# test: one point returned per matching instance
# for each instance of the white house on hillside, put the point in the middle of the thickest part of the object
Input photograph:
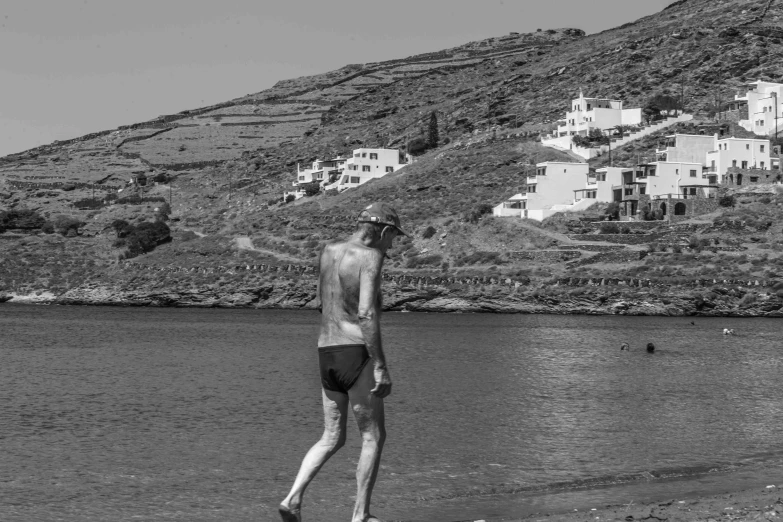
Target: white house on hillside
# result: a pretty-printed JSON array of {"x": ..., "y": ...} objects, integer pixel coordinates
[
  {"x": 549, "y": 191},
  {"x": 367, "y": 164},
  {"x": 320, "y": 171},
  {"x": 765, "y": 107},
  {"x": 344, "y": 173},
  {"x": 745, "y": 153},
  {"x": 686, "y": 147},
  {"x": 601, "y": 185},
  {"x": 603, "y": 114}
]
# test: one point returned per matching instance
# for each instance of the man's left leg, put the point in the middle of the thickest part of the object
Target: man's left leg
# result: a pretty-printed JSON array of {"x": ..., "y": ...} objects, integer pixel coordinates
[
  {"x": 335, "y": 411},
  {"x": 368, "y": 410}
]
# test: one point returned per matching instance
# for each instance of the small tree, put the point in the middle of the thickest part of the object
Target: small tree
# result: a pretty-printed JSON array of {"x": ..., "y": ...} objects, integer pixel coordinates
[
  {"x": 727, "y": 201},
  {"x": 311, "y": 189},
  {"x": 416, "y": 146},
  {"x": 432, "y": 138},
  {"x": 613, "y": 210},
  {"x": 475, "y": 214},
  {"x": 289, "y": 198},
  {"x": 67, "y": 225}
]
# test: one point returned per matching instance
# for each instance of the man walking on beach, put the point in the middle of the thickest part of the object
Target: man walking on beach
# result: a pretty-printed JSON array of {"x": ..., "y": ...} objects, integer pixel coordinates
[{"x": 351, "y": 360}]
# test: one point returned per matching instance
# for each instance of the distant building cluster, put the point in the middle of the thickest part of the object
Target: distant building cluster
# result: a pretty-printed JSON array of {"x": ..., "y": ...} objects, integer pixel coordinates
[
  {"x": 686, "y": 167},
  {"x": 343, "y": 173}
]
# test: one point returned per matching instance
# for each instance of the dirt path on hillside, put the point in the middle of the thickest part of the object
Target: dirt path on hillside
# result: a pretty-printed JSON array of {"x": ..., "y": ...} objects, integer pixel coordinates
[{"x": 245, "y": 243}]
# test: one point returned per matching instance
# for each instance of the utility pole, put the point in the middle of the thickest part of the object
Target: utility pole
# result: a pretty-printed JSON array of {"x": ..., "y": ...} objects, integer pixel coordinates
[
  {"x": 720, "y": 81},
  {"x": 775, "y": 95},
  {"x": 682, "y": 92}
]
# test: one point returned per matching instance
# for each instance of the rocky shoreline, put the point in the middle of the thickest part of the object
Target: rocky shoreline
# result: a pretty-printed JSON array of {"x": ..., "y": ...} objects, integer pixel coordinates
[{"x": 300, "y": 295}]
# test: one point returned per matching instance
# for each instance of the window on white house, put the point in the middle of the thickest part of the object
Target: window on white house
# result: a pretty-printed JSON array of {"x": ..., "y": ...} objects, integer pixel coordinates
[
  {"x": 643, "y": 189},
  {"x": 301, "y": 178},
  {"x": 531, "y": 188},
  {"x": 364, "y": 154},
  {"x": 747, "y": 146},
  {"x": 693, "y": 191},
  {"x": 354, "y": 179},
  {"x": 762, "y": 148},
  {"x": 365, "y": 168},
  {"x": 373, "y": 155},
  {"x": 744, "y": 164},
  {"x": 356, "y": 155},
  {"x": 733, "y": 163},
  {"x": 754, "y": 179},
  {"x": 762, "y": 166},
  {"x": 693, "y": 173},
  {"x": 389, "y": 169}
]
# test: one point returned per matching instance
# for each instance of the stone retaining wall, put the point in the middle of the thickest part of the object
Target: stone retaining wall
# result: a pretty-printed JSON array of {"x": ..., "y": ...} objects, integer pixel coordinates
[
  {"x": 428, "y": 280},
  {"x": 619, "y": 239},
  {"x": 619, "y": 256},
  {"x": 547, "y": 256}
]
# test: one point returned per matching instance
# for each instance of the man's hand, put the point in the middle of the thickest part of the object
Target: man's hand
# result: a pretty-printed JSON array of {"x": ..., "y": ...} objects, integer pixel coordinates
[{"x": 383, "y": 382}]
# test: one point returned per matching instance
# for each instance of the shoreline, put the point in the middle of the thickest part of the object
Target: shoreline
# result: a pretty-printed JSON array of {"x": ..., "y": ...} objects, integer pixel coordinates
[
  {"x": 757, "y": 503},
  {"x": 452, "y": 307}
]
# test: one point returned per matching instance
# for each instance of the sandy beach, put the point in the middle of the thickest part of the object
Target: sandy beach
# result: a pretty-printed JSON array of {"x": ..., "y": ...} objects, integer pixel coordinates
[{"x": 764, "y": 503}]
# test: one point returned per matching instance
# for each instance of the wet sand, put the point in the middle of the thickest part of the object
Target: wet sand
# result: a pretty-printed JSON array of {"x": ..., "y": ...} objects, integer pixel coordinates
[{"x": 765, "y": 503}]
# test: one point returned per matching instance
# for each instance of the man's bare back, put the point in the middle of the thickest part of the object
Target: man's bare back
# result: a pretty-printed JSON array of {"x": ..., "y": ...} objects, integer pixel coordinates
[
  {"x": 343, "y": 266},
  {"x": 351, "y": 359}
]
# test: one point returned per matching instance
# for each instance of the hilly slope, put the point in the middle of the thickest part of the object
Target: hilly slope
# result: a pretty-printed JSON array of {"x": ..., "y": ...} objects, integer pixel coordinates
[{"x": 224, "y": 167}]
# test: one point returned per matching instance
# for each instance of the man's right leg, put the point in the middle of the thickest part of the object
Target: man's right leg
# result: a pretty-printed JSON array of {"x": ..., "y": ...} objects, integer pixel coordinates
[
  {"x": 368, "y": 410},
  {"x": 333, "y": 438}
]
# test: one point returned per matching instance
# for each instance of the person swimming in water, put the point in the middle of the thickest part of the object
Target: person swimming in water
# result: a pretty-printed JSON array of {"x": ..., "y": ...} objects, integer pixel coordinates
[
  {"x": 650, "y": 348},
  {"x": 625, "y": 347}
]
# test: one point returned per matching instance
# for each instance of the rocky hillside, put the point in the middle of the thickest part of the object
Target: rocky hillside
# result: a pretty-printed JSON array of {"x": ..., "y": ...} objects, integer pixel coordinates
[{"x": 223, "y": 168}]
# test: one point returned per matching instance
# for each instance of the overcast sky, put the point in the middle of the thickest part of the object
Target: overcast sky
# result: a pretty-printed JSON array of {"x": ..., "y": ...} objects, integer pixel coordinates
[{"x": 71, "y": 67}]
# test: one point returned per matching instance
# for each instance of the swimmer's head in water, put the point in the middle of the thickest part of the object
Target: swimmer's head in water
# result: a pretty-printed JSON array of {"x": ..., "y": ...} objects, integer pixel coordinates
[{"x": 650, "y": 347}]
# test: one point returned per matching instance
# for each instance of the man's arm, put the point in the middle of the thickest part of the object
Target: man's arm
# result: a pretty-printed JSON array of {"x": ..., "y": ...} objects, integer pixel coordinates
[{"x": 369, "y": 314}]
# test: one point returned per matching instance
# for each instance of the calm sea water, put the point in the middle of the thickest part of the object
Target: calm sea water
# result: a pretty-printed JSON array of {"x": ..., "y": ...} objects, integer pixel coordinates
[{"x": 177, "y": 414}]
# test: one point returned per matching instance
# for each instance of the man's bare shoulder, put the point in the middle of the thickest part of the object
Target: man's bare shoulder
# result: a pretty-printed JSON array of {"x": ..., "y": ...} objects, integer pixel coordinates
[{"x": 351, "y": 250}]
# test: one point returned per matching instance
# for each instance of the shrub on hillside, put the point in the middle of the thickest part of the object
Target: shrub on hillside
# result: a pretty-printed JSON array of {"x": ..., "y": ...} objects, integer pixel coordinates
[
  {"x": 121, "y": 228},
  {"x": 143, "y": 238},
  {"x": 612, "y": 210},
  {"x": 477, "y": 212},
  {"x": 311, "y": 189},
  {"x": 416, "y": 146},
  {"x": 67, "y": 225},
  {"x": 609, "y": 228},
  {"x": 21, "y": 218},
  {"x": 289, "y": 198},
  {"x": 727, "y": 201},
  {"x": 429, "y": 232}
]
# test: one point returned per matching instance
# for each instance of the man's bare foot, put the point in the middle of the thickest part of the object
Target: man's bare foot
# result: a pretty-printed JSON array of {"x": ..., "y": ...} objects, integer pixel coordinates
[{"x": 290, "y": 514}]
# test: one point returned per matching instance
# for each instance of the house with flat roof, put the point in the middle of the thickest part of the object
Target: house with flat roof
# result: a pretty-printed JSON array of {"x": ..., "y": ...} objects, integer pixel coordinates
[
  {"x": 600, "y": 185},
  {"x": 367, "y": 164},
  {"x": 344, "y": 173},
  {"x": 745, "y": 153},
  {"x": 764, "y": 101},
  {"x": 685, "y": 147},
  {"x": 549, "y": 190},
  {"x": 603, "y": 114}
]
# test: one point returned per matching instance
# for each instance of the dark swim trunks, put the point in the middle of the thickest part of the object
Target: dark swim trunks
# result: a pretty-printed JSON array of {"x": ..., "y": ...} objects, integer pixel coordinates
[{"x": 341, "y": 365}]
